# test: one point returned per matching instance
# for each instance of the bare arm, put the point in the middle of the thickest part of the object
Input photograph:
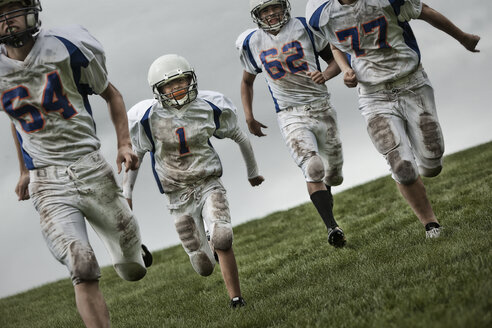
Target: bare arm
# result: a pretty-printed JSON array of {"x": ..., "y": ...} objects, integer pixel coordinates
[
  {"x": 117, "y": 111},
  {"x": 439, "y": 21},
  {"x": 21, "y": 189},
  {"x": 247, "y": 99},
  {"x": 331, "y": 71},
  {"x": 349, "y": 77}
]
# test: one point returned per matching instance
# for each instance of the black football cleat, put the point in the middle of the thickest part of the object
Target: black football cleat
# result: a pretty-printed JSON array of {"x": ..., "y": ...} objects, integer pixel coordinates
[
  {"x": 237, "y": 302},
  {"x": 336, "y": 237},
  {"x": 147, "y": 256}
]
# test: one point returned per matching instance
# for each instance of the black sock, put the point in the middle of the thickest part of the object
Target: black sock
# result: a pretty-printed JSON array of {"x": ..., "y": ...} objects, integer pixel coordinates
[
  {"x": 323, "y": 201},
  {"x": 328, "y": 188},
  {"x": 431, "y": 225}
]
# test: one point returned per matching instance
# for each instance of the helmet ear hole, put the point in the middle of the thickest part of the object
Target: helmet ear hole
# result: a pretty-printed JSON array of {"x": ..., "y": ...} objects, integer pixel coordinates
[{"x": 30, "y": 20}]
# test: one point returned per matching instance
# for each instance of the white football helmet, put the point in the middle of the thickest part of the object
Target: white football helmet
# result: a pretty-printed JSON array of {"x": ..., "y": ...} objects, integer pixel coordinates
[
  {"x": 30, "y": 11},
  {"x": 166, "y": 69},
  {"x": 257, "y": 5}
]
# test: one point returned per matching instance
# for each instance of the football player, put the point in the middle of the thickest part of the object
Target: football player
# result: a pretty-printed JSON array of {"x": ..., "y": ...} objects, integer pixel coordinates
[
  {"x": 176, "y": 128},
  {"x": 46, "y": 78},
  {"x": 395, "y": 95},
  {"x": 287, "y": 52}
]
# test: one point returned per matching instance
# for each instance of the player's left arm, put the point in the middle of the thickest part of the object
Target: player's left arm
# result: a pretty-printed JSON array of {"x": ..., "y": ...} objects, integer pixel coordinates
[
  {"x": 439, "y": 21},
  {"x": 117, "y": 111},
  {"x": 21, "y": 189}
]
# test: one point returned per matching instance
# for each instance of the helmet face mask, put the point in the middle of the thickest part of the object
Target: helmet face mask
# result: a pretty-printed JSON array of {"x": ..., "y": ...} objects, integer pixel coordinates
[
  {"x": 256, "y": 6},
  {"x": 30, "y": 12},
  {"x": 174, "y": 70}
]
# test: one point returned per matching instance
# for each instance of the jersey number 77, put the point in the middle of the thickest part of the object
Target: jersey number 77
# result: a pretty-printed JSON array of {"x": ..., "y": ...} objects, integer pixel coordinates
[{"x": 367, "y": 29}]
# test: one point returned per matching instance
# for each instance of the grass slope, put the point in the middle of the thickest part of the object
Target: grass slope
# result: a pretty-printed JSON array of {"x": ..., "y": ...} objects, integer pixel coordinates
[{"x": 388, "y": 275}]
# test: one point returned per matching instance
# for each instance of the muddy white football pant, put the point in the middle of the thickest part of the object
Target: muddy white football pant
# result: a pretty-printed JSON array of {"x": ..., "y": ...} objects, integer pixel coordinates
[
  {"x": 403, "y": 125},
  {"x": 202, "y": 203},
  {"x": 63, "y": 196},
  {"x": 311, "y": 134}
]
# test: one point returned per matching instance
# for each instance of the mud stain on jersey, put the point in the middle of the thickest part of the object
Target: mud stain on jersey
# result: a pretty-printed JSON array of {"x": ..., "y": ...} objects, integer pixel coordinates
[
  {"x": 431, "y": 134},
  {"x": 163, "y": 130}
]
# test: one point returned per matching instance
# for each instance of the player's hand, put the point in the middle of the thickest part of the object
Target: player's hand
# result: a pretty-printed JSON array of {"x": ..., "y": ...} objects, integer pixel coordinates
[
  {"x": 128, "y": 157},
  {"x": 255, "y": 127},
  {"x": 317, "y": 77},
  {"x": 256, "y": 181},
  {"x": 349, "y": 78},
  {"x": 22, "y": 189},
  {"x": 470, "y": 41},
  {"x": 130, "y": 203}
]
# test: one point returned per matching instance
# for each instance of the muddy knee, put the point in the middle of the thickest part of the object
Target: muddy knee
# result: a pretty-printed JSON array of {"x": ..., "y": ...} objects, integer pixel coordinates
[
  {"x": 404, "y": 171},
  {"x": 222, "y": 236},
  {"x": 430, "y": 172},
  {"x": 333, "y": 177},
  {"x": 83, "y": 263},
  {"x": 315, "y": 169},
  {"x": 201, "y": 256}
]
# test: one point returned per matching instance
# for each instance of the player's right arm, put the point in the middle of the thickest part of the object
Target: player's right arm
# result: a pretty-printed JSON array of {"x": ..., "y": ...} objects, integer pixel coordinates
[
  {"x": 247, "y": 99},
  {"x": 349, "y": 77},
  {"x": 21, "y": 189}
]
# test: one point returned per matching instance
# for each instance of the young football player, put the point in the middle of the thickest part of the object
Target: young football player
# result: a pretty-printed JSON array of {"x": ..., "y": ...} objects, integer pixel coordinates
[
  {"x": 287, "y": 51},
  {"x": 176, "y": 129},
  {"x": 395, "y": 95},
  {"x": 46, "y": 77}
]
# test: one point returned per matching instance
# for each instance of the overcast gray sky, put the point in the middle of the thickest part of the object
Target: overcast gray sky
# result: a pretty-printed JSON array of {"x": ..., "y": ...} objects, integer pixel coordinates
[{"x": 134, "y": 33}]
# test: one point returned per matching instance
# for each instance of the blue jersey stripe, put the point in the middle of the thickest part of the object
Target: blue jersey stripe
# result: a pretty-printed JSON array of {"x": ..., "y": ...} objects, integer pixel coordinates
[
  {"x": 314, "y": 20},
  {"x": 277, "y": 107},
  {"x": 408, "y": 35},
  {"x": 396, "y": 4},
  {"x": 78, "y": 60},
  {"x": 250, "y": 54},
  {"x": 27, "y": 159},
  {"x": 217, "y": 113},
  {"x": 146, "y": 125},
  {"x": 311, "y": 37}
]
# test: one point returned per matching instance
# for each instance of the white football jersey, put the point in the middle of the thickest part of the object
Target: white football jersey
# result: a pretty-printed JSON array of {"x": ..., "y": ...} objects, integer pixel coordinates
[
  {"x": 285, "y": 58},
  {"x": 381, "y": 47},
  {"x": 179, "y": 139},
  {"x": 46, "y": 95}
]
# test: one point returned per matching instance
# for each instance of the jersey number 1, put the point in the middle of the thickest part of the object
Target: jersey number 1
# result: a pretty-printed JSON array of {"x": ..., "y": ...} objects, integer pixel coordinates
[
  {"x": 32, "y": 118},
  {"x": 183, "y": 148}
]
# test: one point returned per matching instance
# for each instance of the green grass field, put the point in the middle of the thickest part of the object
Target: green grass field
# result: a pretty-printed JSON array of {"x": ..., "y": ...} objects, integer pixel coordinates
[{"x": 388, "y": 275}]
